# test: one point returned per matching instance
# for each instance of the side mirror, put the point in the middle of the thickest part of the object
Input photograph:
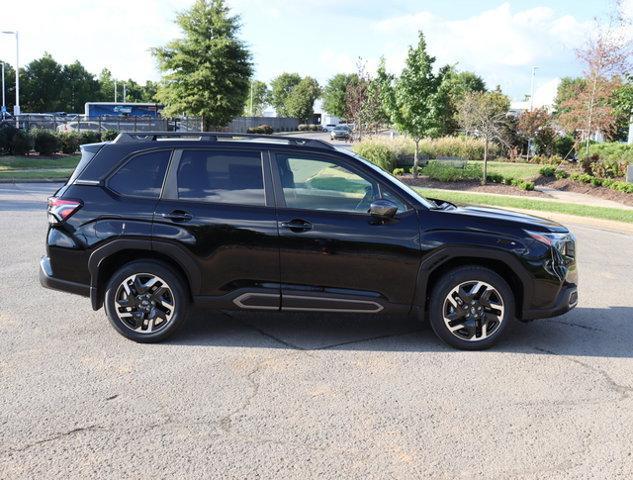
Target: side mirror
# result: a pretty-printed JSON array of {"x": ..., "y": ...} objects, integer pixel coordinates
[{"x": 383, "y": 209}]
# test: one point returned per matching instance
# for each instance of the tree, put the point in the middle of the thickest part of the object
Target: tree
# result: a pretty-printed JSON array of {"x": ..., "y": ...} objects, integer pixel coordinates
[
  {"x": 300, "y": 101},
  {"x": 606, "y": 56},
  {"x": 106, "y": 86},
  {"x": 280, "y": 88},
  {"x": 208, "y": 71},
  {"x": 484, "y": 114},
  {"x": 453, "y": 85},
  {"x": 257, "y": 100},
  {"x": 409, "y": 99},
  {"x": 9, "y": 86},
  {"x": 79, "y": 86},
  {"x": 41, "y": 82},
  {"x": 335, "y": 92}
]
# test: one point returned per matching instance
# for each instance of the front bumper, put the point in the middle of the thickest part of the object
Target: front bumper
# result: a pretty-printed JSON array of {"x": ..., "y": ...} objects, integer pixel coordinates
[
  {"x": 566, "y": 300},
  {"x": 49, "y": 281}
]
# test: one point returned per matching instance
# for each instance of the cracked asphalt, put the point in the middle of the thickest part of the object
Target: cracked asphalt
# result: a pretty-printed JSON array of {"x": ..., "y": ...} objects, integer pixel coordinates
[{"x": 307, "y": 396}]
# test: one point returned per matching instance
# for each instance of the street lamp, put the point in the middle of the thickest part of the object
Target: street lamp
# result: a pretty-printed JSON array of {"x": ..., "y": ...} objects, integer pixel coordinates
[
  {"x": 16, "y": 108},
  {"x": 532, "y": 88}
]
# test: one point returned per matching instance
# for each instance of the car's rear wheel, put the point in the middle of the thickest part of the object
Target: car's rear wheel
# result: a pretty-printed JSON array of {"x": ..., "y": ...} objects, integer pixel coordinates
[
  {"x": 146, "y": 301},
  {"x": 471, "y": 308}
]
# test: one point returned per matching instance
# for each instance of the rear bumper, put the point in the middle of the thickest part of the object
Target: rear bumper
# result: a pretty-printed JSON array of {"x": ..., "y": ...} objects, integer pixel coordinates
[
  {"x": 49, "y": 281},
  {"x": 566, "y": 300}
]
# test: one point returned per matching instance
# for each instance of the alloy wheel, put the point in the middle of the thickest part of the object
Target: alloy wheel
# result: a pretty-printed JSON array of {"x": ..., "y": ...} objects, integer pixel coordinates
[
  {"x": 473, "y": 310},
  {"x": 144, "y": 303}
]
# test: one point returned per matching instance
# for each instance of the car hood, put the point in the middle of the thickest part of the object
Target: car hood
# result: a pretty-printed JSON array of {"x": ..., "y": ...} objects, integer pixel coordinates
[{"x": 499, "y": 214}]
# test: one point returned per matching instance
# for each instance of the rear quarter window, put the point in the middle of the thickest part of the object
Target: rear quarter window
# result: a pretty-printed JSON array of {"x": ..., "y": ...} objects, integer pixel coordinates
[{"x": 142, "y": 175}]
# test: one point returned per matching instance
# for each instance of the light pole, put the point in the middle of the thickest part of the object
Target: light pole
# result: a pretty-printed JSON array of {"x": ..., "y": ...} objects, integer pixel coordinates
[
  {"x": 3, "y": 99},
  {"x": 532, "y": 88},
  {"x": 16, "y": 107}
]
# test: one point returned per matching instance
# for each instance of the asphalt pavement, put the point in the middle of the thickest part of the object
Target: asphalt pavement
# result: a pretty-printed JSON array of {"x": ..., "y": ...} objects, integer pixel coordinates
[{"x": 263, "y": 395}]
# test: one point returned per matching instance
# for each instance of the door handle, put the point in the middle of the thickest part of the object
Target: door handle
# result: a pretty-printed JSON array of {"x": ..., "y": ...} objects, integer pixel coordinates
[
  {"x": 177, "y": 216},
  {"x": 297, "y": 225}
]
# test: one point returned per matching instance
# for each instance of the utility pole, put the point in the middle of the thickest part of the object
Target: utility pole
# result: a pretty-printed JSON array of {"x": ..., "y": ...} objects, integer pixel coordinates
[
  {"x": 124, "y": 92},
  {"x": 531, "y": 106}
]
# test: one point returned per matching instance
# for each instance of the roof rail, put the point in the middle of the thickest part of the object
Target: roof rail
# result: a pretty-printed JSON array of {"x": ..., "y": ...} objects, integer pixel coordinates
[{"x": 130, "y": 137}]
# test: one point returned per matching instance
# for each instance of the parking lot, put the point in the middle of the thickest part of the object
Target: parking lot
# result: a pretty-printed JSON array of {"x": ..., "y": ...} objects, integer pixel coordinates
[{"x": 261, "y": 395}]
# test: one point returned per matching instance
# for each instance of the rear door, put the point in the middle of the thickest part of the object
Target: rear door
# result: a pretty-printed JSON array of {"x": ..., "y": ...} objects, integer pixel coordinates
[
  {"x": 217, "y": 206},
  {"x": 335, "y": 256}
]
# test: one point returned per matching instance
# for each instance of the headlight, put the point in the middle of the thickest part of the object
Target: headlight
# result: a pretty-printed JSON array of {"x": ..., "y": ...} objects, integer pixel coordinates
[{"x": 564, "y": 243}]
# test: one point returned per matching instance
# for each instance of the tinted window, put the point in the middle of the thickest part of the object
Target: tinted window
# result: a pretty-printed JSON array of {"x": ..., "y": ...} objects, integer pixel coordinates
[
  {"x": 142, "y": 176},
  {"x": 221, "y": 177}
]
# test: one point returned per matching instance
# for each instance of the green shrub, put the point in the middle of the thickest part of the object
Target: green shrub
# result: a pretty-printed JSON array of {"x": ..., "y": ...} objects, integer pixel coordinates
[
  {"x": 495, "y": 178},
  {"x": 563, "y": 146},
  {"x": 7, "y": 131},
  {"x": 46, "y": 142},
  {"x": 596, "y": 182},
  {"x": 377, "y": 154},
  {"x": 21, "y": 143},
  {"x": 587, "y": 162},
  {"x": 508, "y": 181},
  {"x": 398, "y": 171},
  {"x": 261, "y": 130},
  {"x": 413, "y": 170},
  {"x": 309, "y": 127},
  {"x": 559, "y": 174},
  {"x": 612, "y": 151},
  {"x": 548, "y": 171},
  {"x": 69, "y": 142},
  {"x": 109, "y": 135},
  {"x": 90, "y": 137},
  {"x": 527, "y": 185},
  {"x": 446, "y": 173}
]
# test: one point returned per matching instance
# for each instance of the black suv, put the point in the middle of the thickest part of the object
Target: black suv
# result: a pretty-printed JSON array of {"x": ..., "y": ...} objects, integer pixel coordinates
[{"x": 150, "y": 223}]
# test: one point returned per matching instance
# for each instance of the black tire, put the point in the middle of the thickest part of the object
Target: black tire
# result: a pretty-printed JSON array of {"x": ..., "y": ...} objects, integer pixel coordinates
[
  {"x": 452, "y": 280},
  {"x": 176, "y": 292}
]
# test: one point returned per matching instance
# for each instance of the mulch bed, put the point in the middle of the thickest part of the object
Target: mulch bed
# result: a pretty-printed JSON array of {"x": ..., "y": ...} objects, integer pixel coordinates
[
  {"x": 567, "y": 185},
  {"x": 475, "y": 187}
]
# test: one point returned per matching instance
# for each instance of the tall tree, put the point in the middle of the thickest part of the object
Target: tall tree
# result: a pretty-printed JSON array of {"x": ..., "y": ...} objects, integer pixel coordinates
[
  {"x": 300, "y": 101},
  {"x": 335, "y": 92},
  {"x": 410, "y": 99},
  {"x": 484, "y": 114},
  {"x": 207, "y": 72},
  {"x": 79, "y": 86},
  {"x": 280, "y": 88},
  {"x": 9, "y": 86},
  {"x": 452, "y": 88},
  {"x": 257, "y": 100},
  {"x": 42, "y": 81}
]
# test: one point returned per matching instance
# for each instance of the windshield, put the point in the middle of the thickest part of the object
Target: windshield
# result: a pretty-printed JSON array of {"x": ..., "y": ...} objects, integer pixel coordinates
[{"x": 391, "y": 179}]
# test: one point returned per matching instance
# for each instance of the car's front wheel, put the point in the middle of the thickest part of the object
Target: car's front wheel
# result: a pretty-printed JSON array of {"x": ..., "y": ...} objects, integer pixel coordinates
[
  {"x": 471, "y": 308},
  {"x": 146, "y": 301}
]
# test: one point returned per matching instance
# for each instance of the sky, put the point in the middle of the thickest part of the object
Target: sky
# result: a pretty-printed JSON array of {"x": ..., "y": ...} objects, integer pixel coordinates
[{"x": 499, "y": 40}]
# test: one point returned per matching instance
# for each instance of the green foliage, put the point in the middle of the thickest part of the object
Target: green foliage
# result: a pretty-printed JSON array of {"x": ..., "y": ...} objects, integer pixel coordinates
[
  {"x": 560, "y": 174},
  {"x": 280, "y": 88},
  {"x": 564, "y": 146},
  {"x": 445, "y": 173},
  {"x": 300, "y": 101},
  {"x": 378, "y": 154},
  {"x": 208, "y": 71},
  {"x": 451, "y": 90},
  {"x": 46, "y": 142},
  {"x": 257, "y": 99},
  {"x": 70, "y": 142},
  {"x": 309, "y": 127},
  {"x": 109, "y": 135},
  {"x": 7, "y": 132},
  {"x": 21, "y": 143},
  {"x": 335, "y": 92},
  {"x": 616, "y": 185},
  {"x": 89, "y": 137},
  {"x": 548, "y": 171},
  {"x": 620, "y": 152},
  {"x": 261, "y": 130},
  {"x": 398, "y": 171}
]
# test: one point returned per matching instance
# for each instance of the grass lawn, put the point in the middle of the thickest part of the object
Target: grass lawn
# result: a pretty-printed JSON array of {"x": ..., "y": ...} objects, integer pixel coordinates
[
  {"x": 33, "y": 168},
  {"x": 523, "y": 171},
  {"x": 528, "y": 203}
]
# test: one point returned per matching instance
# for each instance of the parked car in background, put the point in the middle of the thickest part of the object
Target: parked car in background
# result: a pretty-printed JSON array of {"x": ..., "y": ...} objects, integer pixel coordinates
[
  {"x": 269, "y": 223},
  {"x": 81, "y": 127},
  {"x": 341, "y": 132},
  {"x": 329, "y": 127}
]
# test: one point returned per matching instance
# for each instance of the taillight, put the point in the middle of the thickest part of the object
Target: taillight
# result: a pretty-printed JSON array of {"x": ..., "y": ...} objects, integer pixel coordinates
[{"x": 60, "y": 209}]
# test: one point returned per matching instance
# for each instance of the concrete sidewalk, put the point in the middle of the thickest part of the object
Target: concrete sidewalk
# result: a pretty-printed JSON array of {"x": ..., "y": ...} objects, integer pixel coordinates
[{"x": 580, "y": 198}]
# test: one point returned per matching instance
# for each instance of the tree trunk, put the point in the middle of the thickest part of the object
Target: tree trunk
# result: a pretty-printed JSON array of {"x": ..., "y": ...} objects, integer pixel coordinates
[
  {"x": 483, "y": 180},
  {"x": 416, "y": 161}
]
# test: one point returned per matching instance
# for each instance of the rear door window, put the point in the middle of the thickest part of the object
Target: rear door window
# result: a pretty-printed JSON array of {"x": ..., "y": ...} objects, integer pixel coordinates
[
  {"x": 234, "y": 177},
  {"x": 142, "y": 176}
]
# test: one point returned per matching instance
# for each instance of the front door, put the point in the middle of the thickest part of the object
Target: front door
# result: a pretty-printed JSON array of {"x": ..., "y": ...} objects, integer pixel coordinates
[
  {"x": 216, "y": 208},
  {"x": 334, "y": 256}
]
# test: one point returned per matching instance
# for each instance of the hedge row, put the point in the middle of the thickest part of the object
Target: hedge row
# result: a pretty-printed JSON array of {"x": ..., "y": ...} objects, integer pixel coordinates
[
  {"x": 603, "y": 182},
  {"x": 470, "y": 172},
  {"x": 612, "y": 152},
  {"x": 305, "y": 127},
  {"x": 261, "y": 130},
  {"x": 400, "y": 150},
  {"x": 46, "y": 142}
]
